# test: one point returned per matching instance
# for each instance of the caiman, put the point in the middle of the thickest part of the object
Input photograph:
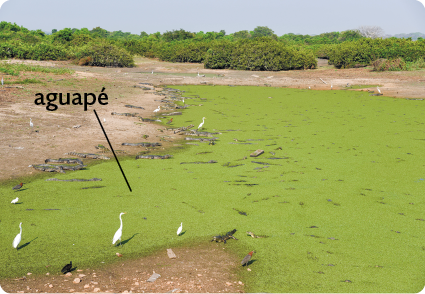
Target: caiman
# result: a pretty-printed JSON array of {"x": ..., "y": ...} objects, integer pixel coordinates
[{"x": 224, "y": 238}]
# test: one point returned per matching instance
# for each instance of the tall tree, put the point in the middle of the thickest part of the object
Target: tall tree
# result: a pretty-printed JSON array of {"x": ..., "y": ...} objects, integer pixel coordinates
[
  {"x": 371, "y": 31},
  {"x": 260, "y": 31}
]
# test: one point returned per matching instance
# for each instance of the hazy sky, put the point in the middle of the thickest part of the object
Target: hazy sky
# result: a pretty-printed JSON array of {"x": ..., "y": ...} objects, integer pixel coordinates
[{"x": 282, "y": 16}]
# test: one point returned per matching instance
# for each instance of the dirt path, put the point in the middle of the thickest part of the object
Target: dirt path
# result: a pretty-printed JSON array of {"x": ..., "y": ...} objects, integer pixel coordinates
[{"x": 200, "y": 269}]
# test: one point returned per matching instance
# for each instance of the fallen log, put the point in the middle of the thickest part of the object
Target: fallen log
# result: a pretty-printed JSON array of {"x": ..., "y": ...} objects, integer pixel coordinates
[{"x": 256, "y": 153}]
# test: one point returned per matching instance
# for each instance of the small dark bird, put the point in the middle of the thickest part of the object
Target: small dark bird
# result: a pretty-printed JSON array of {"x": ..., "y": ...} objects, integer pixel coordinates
[
  {"x": 67, "y": 268},
  {"x": 170, "y": 121},
  {"x": 247, "y": 258},
  {"x": 17, "y": 187}
]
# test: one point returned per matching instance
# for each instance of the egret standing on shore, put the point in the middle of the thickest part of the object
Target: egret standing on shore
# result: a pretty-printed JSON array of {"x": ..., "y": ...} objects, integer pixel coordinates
[
  {"x": 118, "y": 234},
  {"x": 18, "y": 238},
  {"x": 31, "y": 124},
  {"x": 158, "y": 109},
  {"x": 202, "y": 123},
  {"x": 179, "y": 230},
  {"x": 15, "y": 200},
  {"x": 378, "y": 90}
]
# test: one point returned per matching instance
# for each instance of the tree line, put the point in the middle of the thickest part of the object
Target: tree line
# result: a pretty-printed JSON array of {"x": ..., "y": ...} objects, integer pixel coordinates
[{"x": 259, "y": 49}]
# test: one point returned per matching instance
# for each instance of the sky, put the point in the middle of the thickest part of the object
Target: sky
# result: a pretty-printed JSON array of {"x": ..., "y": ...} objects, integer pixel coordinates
[{"x": 282, "y": 16}]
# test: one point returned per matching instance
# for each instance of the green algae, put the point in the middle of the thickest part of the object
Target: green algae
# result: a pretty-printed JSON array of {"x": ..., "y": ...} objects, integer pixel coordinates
[{"x": 339, "y": 190}]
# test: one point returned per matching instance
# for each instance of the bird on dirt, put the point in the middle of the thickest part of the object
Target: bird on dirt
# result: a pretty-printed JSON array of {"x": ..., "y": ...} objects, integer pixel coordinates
[
  {"x": 18, "y": 238},
  {"x": 378, "y": 90},
  {"x": 118, "y": 233},
  {"x": 202, "y": 123},
  {"x": 17, "y": 187},
  {"x": 170, "y": 121},
  {"x": 67, "y": 268},
  {"x": 179, "y": 230},
  {"x": 15, "y": 200},
  {"x": 31, "y": 124},
  {"x": 247, "y": 258},
  {"x": 158, "y": 109}
]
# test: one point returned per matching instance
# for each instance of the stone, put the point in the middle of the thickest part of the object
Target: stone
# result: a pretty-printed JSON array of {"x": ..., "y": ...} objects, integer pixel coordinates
[
  {"x": 96, "y": 290},
  {"x": 76, "y": 280},
  {"x": 256, "y": 153},
  {"x": 86, "y": 286},
  {"x": 50, "y": 286},
  {"x": 68, "y": 274},
  {"x": 171, "y": 254}
]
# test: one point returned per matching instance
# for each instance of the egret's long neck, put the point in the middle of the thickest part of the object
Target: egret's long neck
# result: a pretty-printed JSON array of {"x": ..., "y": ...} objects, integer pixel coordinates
[
  {"x": 203, "y": 119},
  {"x": 20, "y": 227},
  {"x": 121, "y": 222}
]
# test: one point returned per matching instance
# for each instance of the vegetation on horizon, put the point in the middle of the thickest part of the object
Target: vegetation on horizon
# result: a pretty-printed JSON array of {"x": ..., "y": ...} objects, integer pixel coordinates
[{"x": 260, "y": 49}]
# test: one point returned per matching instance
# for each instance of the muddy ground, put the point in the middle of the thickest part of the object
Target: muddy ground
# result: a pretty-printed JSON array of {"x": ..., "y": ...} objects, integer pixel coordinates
[{"x": 205, "y": 268}]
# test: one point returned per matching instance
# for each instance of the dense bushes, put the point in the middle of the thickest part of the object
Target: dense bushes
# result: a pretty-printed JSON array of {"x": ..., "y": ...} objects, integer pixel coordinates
[
  {"x": 257, "y": 54},
  {"x": 42, "y": 51},
  {"x": 365, "y": 51},
  {"x": 105, "y": 54},
  {"x": 260, "y": 49}
]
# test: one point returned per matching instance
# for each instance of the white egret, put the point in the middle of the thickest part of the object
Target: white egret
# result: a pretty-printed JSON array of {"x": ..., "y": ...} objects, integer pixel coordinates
[
  {"x": 18, "y": 238},
  {"x": 378, "y": 90},
  {"x": 202, "y": 123},
  {"x": 152, "y": 71},
  {"x": 15, "y": 200},
  {"x": 118, "y": 234},
  {"x": 31, "y": 124},
  {"x": 179, "y": 230},
  {"x": 158, "y": 109}
]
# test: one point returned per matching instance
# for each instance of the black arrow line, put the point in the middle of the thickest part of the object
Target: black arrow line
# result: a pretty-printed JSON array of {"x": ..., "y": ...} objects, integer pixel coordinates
[{"x": 112, "y": 149}]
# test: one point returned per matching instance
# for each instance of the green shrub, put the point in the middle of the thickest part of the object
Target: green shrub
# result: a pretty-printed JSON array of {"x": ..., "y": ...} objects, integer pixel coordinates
[
  {"x": 258, "y": 54},
  {"x": 365, "y": 51},
  {"x": 383, "y": 64},
  {"x": 106, "y": 54}
]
